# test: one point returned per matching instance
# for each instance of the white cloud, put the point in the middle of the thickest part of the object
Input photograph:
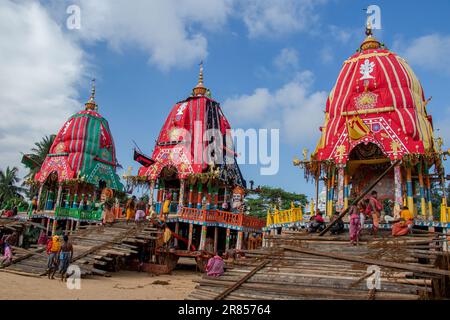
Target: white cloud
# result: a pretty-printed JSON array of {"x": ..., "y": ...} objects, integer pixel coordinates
[
  {"x": 171, "y": 32},
  {"x": 40, "y": 68},
  {"x": 286, "y": 59},
  {"x": 431, "y": 52},
  {"x": 278, "y": 17},
  {"x": 293, "y": 108}
]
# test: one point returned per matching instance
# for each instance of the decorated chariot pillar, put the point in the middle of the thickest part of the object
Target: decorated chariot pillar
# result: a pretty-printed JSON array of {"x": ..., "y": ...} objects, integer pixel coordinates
[
  {"x": 216, "y": 239},
  {"x": 55, "y": 224},
  {"x": 203, "y": 237},
  {"x": 159, "y": 198},
  {"x": 181, "y": 195},
  {"x": 58, "y": 197},
  {"x": 151, "y": 195},
  {"x": 346, "y": 190},
  {"x": 48, "y": 226},
  {"x": 430, "y": 204},
  {"x": 409, "y": 190},
  {"x": 191, "y": 195},
  {"x": 423, "y": 210},
  {"x": 67, "y": 204},
  {"x": 216, "y": 197},
  {"x": 331, "y": 180},
  {"x": 191, "y": 231},
  {"x": 38, "y": 202},
  {"x": 239, "y": 240},
  {"x": 50, "y": 200},
  {"x": 209, "y": 196},
  {"x": 340, "y": 189},
  {"x": 75, "y": 201},
  {"x": 177, "y": 230},
  {"x": 398, "y": 201},
  {"x": 227, "y": 239},
  {"x": 199, "y": 195}
]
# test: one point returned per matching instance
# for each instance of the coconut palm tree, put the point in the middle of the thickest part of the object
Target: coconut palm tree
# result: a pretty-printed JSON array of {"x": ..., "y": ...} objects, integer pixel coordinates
[
  {"x": 36, "y": 158},
  {"x": 8, "y": 184}
]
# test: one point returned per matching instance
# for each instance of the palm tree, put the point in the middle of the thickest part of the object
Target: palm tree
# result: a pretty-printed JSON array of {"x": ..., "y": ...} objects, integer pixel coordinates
[
  {"x": 38, "y": 155},
  {"x": 8, "y": 187}
]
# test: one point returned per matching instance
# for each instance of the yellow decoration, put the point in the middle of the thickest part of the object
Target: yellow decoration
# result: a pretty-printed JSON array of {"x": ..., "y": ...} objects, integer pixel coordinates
[
  {"x": 284, "y": 216},
  {"x": 341, "y": 151},
  {"x": 357, "y": 128},
  {"x": 395, "y": 145}
]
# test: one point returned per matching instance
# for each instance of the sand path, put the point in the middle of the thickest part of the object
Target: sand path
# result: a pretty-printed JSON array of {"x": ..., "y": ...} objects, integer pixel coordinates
[{"x": 123, "y": 285}]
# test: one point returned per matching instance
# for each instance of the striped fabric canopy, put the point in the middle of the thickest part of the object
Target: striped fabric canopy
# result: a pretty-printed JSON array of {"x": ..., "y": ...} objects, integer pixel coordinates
[
  {"x": 378, "y": 88},
  {"x": 84, "y": 148}
]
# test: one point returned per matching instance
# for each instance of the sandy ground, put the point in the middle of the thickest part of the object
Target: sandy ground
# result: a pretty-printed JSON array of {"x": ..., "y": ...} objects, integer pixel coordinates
[{"x": 123, "y": 285}]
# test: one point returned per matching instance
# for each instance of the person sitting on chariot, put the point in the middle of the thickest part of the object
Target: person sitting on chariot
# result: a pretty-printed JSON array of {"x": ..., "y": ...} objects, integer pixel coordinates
[
  {"x": 317, "y": 223},
  {"x": 338, "y": 226},
  {"x": 403, "y": 225}
]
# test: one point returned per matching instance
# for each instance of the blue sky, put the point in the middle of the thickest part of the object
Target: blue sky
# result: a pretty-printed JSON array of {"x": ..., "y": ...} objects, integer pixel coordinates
[{"x": 271, "y": 64}]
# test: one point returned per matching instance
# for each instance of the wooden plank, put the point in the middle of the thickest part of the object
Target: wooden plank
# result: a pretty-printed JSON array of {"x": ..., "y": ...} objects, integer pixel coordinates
[
  {"x": 242, "y": 280},
  {"x": 379, "y": 262}
]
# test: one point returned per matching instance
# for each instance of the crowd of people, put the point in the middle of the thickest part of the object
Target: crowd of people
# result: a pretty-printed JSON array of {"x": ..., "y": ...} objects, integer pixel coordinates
[{"x": 369, "y": 208}]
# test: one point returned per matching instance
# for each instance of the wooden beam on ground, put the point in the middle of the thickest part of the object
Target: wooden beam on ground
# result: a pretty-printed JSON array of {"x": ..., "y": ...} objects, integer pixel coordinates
[
  {"x": 378, "y": 262},
  {"x": 245, "y": 278},
  {"x": 242, "y": 280}
]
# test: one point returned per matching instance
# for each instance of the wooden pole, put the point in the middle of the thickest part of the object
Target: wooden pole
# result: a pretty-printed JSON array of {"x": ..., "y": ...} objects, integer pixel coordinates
[{"x": 362, "y": 195}]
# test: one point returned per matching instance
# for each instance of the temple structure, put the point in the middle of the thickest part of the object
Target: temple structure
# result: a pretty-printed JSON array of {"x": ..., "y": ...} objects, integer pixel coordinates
[
  {"x": 80, "y": 166},
  {"x": 376, "y": 118},
  {"x": 376, "y": 114},
  {"x": 194, "y": 166}
]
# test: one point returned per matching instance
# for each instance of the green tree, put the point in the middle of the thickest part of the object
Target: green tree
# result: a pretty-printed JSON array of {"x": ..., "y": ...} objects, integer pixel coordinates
[
  {"x": 8, "y": 185},
  {"x": 262, "y": 198},
  {"x": 39, "y": 152}
]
